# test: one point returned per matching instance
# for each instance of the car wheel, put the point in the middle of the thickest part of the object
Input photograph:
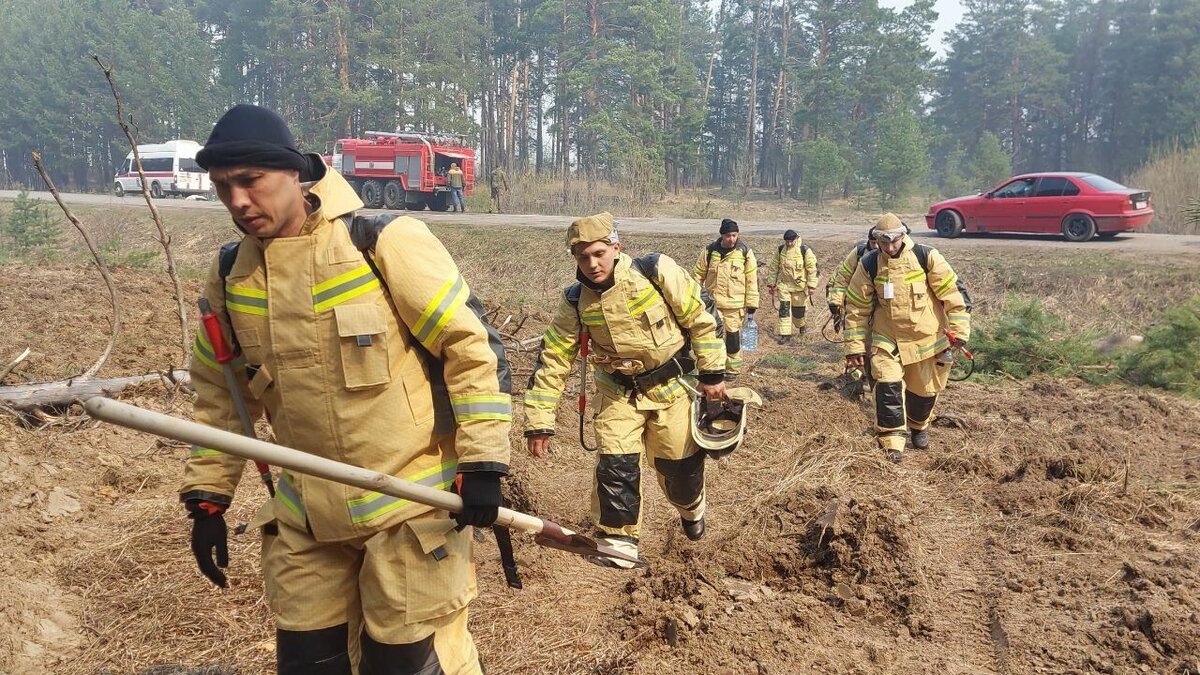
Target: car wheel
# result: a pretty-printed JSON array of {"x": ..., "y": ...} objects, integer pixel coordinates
[
  {"x": 1078, "y": 227},
  {"x": 118, "y": 190},
  {"x": 393, "y": 195},
  {"x": 156, "y": 191},
  {"x": 948, "y": 224},
  {"x": 372, "y": 194}
]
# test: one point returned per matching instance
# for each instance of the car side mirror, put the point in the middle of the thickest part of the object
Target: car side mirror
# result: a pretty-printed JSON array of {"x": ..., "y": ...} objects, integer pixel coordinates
[{"x": 986, "y": 195}]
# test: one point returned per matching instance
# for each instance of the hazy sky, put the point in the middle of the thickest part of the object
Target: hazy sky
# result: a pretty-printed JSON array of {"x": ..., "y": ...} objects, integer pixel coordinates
[{"x": 949, "y": 12}]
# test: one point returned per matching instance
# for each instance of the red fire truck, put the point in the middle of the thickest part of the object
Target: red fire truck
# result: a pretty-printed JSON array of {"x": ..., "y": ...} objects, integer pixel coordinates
[{"x": 404, "y": 169}]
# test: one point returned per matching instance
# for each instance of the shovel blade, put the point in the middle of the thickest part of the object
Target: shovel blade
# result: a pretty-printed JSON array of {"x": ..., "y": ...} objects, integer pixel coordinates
[{"x": 573, "y": 542}]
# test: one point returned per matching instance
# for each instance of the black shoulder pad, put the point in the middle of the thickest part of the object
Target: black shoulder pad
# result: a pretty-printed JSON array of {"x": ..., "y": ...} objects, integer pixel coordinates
[
  {"x": 714, "y": 246},
  {"x": 572, "y": 294},
  {"x": 744, "y": 247},
  {"x": 780, "y": 249},
  {"x": 227, "y": 257},
  {"x": 804, "y": 248},
  {"x": 365, "y": 230},
  {"x": 861, "y": 247},
  {"x": 647, "y": 265},
  {"x": 922, "y": 253},
  {"x": 870, "y": 263}
]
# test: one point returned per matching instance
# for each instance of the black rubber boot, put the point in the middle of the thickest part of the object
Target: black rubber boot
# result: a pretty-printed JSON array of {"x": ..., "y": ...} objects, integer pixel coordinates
[
  {"x": 920, "y": 439},
  {"x": 694, "y": 529},
  {"x": 313, "y": 652}
]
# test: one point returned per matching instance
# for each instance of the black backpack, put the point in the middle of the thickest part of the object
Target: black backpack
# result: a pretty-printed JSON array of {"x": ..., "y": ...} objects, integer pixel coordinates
[{"x": 870, "y": 263}]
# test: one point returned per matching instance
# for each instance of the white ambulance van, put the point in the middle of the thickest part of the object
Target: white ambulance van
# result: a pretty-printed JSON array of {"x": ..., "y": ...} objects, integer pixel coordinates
[{"x": 171, "y": 170}]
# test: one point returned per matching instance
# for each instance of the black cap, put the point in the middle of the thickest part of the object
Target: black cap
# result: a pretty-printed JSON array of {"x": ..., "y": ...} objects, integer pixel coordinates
[
  {"x": 790, "y": 235},
  {"x": 249, "y": 135},
  {"x": 728, "y": 225}
]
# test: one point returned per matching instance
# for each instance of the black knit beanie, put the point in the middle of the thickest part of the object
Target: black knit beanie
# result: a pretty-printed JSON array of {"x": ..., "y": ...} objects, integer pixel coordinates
[
  {"x": 790, "y": 235},
  {"x": 249, "y": 135},
  {"x": 728, "y": 225}
]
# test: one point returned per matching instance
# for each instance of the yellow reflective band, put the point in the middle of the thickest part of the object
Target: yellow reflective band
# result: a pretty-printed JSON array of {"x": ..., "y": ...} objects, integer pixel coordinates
[
  {"x": 881, "y": 279},
  {"x": 959, "y": 316},
  {"x": 592, "y": 318},
  {"x": 708, "y": 345},
  {"x": 856, "y": 298},
  {"x": 854, "y": 333},
  {"x": 246, "y": 300},
  {"x": 375, "y": 504},
  {"x": 286, "y": 493},
  {"x": 476, "y": 407},
  {"x": 198, "y": 452},
  {"x": 941, "y": 343},
  {"x": 605, "y": 380},
  {"x": 546, "y": 400},
  {"x": 203, "y": 352},
  {"x": 343, "y": 287},
  {"x": 642, "y": 302},
  {"x": 440, "y": 310},
  {"x": 950, "y": 280},
  {"x": 878, "y": 340},
  {"x": 557, "y": 343},
  {"x": 914, "y": 277}
]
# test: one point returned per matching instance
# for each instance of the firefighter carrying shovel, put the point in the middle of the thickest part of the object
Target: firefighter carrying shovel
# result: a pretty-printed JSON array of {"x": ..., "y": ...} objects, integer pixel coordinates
[{"x": 373, "y": 358}]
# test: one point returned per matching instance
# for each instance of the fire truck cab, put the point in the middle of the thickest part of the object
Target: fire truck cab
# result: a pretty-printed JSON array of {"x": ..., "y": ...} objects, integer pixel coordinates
[{"x": 404, "y": 170}]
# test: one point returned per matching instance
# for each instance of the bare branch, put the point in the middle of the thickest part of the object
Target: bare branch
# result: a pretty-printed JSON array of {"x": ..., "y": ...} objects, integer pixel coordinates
[
  {"x": 164, "y": 239},
  {"x": 87, "y": 239}
]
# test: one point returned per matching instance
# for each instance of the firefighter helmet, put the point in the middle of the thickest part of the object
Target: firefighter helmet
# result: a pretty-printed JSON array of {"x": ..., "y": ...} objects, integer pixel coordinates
[{"x": 718, "y": 426}]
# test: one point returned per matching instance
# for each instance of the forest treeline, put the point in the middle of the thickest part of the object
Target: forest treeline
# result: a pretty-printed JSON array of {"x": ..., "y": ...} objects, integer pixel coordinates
[{"x": 813, "y": 99}]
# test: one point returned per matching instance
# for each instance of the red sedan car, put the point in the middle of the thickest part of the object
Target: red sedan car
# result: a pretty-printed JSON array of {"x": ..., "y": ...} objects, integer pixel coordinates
[{"x": 1080, "y": 206}]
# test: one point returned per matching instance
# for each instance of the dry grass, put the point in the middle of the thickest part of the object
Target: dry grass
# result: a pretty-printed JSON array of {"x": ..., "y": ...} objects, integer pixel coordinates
[{"x": 1174, "y": 179}]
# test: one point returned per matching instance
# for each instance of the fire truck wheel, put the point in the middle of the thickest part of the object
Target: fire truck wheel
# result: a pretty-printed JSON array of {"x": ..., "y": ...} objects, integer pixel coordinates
[
  {"x": 393, "y": 195},
  {"x": 372, "y": 194},
  {"x": 415, "y": 202}
]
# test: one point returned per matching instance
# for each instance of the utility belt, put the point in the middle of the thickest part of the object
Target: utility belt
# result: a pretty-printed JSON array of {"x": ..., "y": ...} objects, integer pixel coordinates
[{"x": 681, "y": 364}]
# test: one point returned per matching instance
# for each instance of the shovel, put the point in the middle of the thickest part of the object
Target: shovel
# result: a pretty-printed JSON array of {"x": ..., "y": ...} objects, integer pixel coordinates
[{"x": 547, "y": 533}]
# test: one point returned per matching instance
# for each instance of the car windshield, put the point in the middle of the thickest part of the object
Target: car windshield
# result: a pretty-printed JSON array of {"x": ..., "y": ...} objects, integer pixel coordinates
[{"x": 1103, "y": 184}]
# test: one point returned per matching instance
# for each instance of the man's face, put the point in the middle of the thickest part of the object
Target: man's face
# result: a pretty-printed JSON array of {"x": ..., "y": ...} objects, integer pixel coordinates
[
  {"x": 891, "y": 248},
  {"x": 729, "y": 239},
  {"x": 266, "y": 203},
  {"x": 790, "y": 243},
  {"x": 597, "y": 260},
  {"x": 872, "y": 244}
]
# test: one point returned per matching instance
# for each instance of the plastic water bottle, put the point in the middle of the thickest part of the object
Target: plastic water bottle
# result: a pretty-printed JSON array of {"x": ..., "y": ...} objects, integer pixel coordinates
[{"x": 750, "y": 335}]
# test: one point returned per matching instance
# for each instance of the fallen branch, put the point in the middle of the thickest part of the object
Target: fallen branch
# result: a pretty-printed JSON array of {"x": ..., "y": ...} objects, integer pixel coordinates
[
  {"x": 16, "y": 362},
  {"x": 164, "y": 239},
  {"x": 65, "y": 392},
  {"x": 87, "y": 239}
]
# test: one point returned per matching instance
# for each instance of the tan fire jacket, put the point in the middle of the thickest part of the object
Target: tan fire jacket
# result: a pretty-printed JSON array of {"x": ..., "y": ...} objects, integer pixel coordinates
[
  {"x": 912, "y": 322},
  {"x": 633, "y": 330},
  {"x": 730, "y": 277},
  {"x": 795, "y": 268},
  {"x": 835, "y": 291},
  {"x": 347, "y": 371}
]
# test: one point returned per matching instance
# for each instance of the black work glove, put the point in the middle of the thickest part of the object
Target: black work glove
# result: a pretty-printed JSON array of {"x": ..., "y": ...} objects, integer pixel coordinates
[
  {"x": 751, "y": 310},
  {"x": 209, "y": 535},
  {"x": 480, "y": 492}
]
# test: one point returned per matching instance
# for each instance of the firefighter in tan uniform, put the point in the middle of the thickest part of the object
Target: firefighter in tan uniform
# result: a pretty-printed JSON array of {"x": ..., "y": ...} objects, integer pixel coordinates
[
  {"x": 728, "y": 270},
  {"x": 835, "y": 290},
  {"x": 910, "y": 308},
  {"x": 795, "y": 269},
  {"x": 643, "y": 318},
  {"x": 395, "y": 373}
]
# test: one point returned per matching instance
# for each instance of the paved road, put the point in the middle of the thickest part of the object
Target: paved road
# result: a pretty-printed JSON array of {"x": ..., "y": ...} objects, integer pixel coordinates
[{"x": 1140, "y": 243}]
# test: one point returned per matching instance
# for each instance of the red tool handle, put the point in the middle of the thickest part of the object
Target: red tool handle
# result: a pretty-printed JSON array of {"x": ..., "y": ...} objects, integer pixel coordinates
[
  {"x": 212, "y": 328},
  {"x": 224, "y": 356},
  {"x": 958, "y": 344}
]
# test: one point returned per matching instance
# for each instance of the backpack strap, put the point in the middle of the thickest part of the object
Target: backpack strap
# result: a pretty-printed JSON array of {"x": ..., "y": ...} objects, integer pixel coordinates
[
  {"x": 573, "y": 293},
  {"x": 922, "y": 253},
  {"x": 226, "y": 258},
  {"x": 870, "y": 263}
]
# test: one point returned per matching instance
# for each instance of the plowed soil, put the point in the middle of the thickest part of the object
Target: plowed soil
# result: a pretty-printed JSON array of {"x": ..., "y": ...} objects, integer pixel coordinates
[{"x": 1052, "y": 526}]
